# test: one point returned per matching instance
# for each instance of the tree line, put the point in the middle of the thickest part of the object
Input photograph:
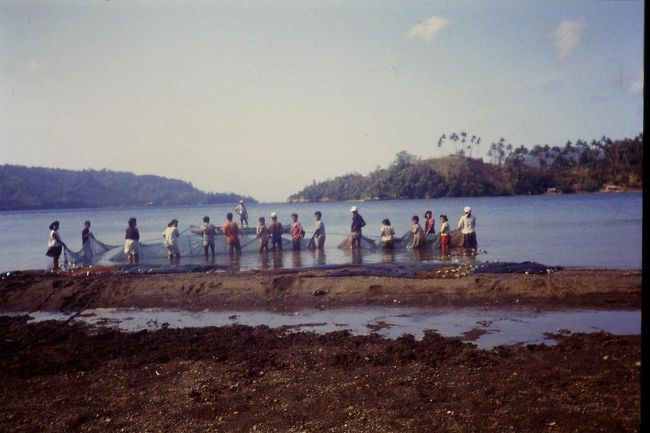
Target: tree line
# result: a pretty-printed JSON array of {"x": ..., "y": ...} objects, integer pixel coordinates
[
  {"x": 47, "y": 188},
  {"x": 574, "y": 167}
]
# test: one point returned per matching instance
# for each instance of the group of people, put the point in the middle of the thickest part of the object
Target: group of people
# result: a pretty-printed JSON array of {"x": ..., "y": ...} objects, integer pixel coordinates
[
  {"x": 419, "y": 234},
  {"x": 270, "y": 237}
]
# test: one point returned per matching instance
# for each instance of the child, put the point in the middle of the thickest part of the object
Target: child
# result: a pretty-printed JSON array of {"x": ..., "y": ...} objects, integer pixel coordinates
[
  {"x": 297, "y": 232},
  {"x": 444, "y": 236},
  {"x": 55, "y": 245},
  {"x": 429, "y": 223},
  {"x": 132, "y": 240},
  {"x": 171, "y": 235},
  {"x": 319, "y": 231},
  {"x": 418, "y": 233},
  {"x": 263, "y": 235},
  {"x": 231, "y": 230},
  {"x": 208, "y": 231},
  {"x": 275, "y": 230},
  {"x": 387, "y": 234}
]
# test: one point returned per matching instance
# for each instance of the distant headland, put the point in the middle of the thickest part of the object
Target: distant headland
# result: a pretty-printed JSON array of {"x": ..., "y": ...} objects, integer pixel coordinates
[
  {"x": 602, "y": 165},
  {"x": 50, "y": 188}
]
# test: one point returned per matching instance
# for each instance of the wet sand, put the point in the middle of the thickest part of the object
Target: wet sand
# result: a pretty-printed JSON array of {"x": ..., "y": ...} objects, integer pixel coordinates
[
  {"x": 59, "y": 377},
  {"x": 288, "y": 290}
]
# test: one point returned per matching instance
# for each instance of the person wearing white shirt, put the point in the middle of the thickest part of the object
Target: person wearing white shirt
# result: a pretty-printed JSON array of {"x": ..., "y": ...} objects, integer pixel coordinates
[{"x": 466, "y": 225}]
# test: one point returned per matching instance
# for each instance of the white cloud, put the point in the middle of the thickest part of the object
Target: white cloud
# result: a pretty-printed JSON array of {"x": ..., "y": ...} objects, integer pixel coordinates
[
  {"x": 636, "y": 88},
  {"x": 428, "y": 29},
  {"x": 567, "y": 36}
]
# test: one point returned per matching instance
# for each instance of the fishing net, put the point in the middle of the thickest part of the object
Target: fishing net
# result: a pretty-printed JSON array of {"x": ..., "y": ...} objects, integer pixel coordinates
[
  {"x": 430, "y": 241},
  {"x": 365, "y": 244},
  {"x": 514, "y": 268},
  {"x": 190, "y": 244},
  {"x": 91, "y": 252}
]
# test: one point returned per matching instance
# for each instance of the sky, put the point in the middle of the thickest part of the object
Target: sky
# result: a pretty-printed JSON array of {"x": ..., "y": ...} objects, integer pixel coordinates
[{"x": 261, "y": 98}]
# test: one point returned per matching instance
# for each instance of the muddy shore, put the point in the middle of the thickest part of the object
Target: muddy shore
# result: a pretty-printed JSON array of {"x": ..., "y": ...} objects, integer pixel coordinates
[
  {"x": 290, "y": 290},
  {"x": 58, "y": 377}
]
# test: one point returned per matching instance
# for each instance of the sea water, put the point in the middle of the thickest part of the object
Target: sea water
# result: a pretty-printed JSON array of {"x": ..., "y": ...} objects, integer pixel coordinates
[
  {"x": 573, "y": 230},
  {"x": 495, "y": 326}
]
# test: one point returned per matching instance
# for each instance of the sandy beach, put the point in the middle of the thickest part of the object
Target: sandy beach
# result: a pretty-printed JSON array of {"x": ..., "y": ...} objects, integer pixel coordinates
[{"x": 61, "y": 377}]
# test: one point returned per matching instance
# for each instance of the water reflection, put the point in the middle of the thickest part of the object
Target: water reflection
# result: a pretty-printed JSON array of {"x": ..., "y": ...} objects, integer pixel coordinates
[
  {"x": 276, "y": 257},
  {"x": 319, "y": 257},
  {"x": 296, "y": 259}
]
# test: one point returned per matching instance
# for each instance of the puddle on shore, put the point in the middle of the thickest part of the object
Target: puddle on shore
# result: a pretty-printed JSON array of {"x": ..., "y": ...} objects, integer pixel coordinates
[{"x": 486, "y": 328}]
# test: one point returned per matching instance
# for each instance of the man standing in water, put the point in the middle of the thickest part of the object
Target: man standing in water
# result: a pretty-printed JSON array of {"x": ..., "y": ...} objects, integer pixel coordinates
[
  {"x": 231, "y": 231},
  {"x": 243, "y": 214},
  {"x": 355, "y": 229},
  {"x": 466, "y": 225}
]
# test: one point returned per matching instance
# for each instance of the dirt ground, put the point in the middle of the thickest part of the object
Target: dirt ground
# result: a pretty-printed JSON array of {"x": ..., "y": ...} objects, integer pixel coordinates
[
  {"x": 57, "y": 377},
  {"x": 60, "y": 378},
  {"x": 290, "y": 290}
]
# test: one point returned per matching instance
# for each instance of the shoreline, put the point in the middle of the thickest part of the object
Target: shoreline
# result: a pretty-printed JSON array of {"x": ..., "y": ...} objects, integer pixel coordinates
[{"x": 335, "y": 287}]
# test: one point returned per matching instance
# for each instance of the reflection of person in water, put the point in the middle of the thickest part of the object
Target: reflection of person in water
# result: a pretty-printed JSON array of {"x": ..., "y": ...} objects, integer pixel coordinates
[
  {"x": 319, "y": 257},
  {"x": 277, "y": 258},
  {"x": 357, "y": 259},
  {"x": 296, "y": 259}
]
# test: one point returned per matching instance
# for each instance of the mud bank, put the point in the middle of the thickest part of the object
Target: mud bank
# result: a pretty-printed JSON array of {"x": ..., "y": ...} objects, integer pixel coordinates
[
  {"x": 287, "y": 290},
  {"x": 242, "y": 379}
]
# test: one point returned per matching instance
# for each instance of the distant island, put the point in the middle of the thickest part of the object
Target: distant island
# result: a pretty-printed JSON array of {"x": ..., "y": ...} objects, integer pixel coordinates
[
  {"x": 602, "y": 165},
  {"x": 49, "y": 188}
]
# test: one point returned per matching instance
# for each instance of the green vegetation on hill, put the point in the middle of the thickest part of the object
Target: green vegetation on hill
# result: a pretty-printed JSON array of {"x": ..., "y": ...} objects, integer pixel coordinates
[
  {"x": 579, "y": 167},
  {"x": 48, "y": 188}
]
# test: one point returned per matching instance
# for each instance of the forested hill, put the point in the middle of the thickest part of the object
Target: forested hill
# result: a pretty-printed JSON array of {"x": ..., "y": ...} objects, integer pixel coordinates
[
  {"x": 48, "y": 188},
  {"x": 605, "y": 164}
]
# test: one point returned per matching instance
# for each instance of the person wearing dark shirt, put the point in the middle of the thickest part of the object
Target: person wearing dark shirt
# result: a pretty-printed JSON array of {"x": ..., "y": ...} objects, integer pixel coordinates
[
  {"x": 86, "y": 235},
  {"x": 132, "y": 240},
  {"x": 275, "y": 230},
  {"x": 355, "y": 228}
]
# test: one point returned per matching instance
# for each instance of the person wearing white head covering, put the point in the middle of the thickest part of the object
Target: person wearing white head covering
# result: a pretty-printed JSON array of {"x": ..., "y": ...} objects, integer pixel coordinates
[
  {"x": 355, "y": 228},
  {"x": 275, "y": 230},
  {"x": 466, "y": 225}
]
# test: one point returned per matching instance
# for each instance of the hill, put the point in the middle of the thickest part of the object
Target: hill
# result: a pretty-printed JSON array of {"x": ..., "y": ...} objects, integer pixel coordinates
[
  {"x": 581, "y": 167},
  {"x": 48, "y": 188}
]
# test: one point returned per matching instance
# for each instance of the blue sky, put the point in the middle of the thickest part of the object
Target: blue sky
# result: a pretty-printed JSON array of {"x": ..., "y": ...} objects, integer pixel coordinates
[{"x": 263, "y": 97}]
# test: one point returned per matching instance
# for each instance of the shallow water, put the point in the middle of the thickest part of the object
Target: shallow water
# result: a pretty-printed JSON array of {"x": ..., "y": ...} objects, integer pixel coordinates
[
  {"x": 578, "y": 230},
  {"x": 498, "y": 326}
]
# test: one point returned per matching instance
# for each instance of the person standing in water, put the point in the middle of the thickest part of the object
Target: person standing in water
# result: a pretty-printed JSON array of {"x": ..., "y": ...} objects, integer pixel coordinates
[
  {"x": 387, "y": 235},
  {"x": 208, "y": 232},
  {"x": 319, "y": 231},
  {"x": 355, "y": 228},
  {"x": 86, "y": 235},
  {"x": 297, "y": 232},
  {"x": 55, "y": 245},
  {"x": 466, "y": 225},
  {"x": 275, "y": 230},
  {"x": 444, "y": 236},
  {"x": 171, "y": 240},
  {"x": 429, "y": 223},
  {"x": 262, "y": 233},
  {"x": 231, "y": 230},
  {"x": 417, "y": 240},
  {"x": 132, "y": 242},
  {"x": 243, "y": 214}
]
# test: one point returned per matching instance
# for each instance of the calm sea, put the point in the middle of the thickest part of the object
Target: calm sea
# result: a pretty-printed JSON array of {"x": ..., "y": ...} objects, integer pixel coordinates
[{"x": 578, "y": 230}]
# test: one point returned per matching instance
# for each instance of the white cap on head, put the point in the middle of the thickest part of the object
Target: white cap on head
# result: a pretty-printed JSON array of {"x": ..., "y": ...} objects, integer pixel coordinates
[
  {"x": 467, "y": 209},
  {"x": 353, "y": 209},
  {"x": 274, "y": 214},
  {"x": 241, "y": 201}
]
